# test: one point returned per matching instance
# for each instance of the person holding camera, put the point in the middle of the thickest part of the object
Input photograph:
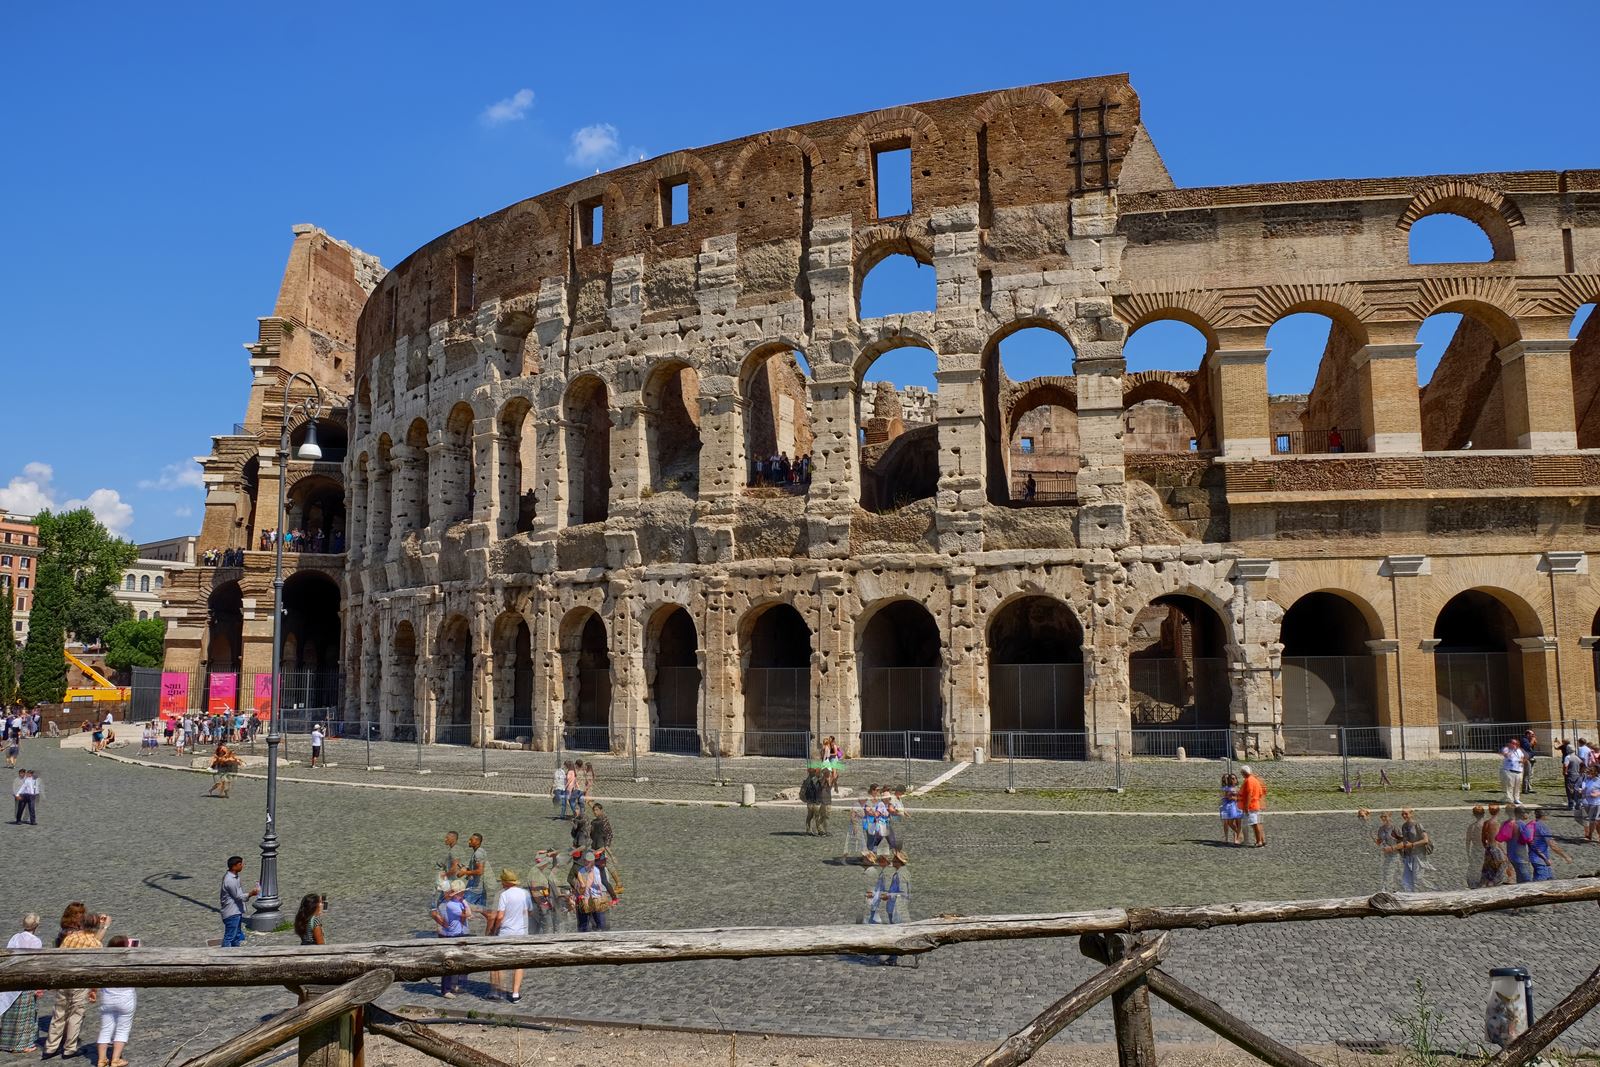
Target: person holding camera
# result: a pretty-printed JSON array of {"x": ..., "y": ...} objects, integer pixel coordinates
[
  {"x": 233, "y": 901},
  {"x": 79, "y": 929}
]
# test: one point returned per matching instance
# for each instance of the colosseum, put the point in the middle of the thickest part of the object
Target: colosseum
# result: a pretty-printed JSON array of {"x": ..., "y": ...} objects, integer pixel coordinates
[{"x": 614, "y": 470}]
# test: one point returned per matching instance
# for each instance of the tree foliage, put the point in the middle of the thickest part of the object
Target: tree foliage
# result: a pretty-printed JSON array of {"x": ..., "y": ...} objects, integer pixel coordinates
[
  {"x": 93, "y": 561},
  {"x": 135, "y": 643},
  {"x": 8, "y": 649},
  {"x": 44, "y": 662}
]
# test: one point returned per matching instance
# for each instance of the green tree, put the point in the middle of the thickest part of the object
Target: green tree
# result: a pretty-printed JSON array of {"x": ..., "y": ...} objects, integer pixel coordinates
[
  {"x": 8, "y": 649},
  {"x": 135, "y": 643},
  {"x": 92, "y": 561},
  {"x": 44, "y": 661}
]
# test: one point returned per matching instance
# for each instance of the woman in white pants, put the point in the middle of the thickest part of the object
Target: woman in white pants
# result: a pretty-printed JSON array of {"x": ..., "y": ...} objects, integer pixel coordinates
[{"x": 116, "y": 1018}]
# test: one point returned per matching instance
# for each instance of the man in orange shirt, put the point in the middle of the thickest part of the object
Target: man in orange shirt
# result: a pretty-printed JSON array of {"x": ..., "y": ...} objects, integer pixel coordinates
[{"x": 1252, "y": 798}]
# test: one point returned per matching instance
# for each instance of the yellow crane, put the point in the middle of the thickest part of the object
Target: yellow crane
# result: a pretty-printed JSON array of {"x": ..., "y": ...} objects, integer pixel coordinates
[{"x": 101, "y": 692}]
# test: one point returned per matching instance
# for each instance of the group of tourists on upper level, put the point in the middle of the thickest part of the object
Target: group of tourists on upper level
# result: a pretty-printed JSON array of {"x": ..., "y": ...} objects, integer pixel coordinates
[
  {"x": 304, "y": 540},
  {"x": 780, "y": 471}
]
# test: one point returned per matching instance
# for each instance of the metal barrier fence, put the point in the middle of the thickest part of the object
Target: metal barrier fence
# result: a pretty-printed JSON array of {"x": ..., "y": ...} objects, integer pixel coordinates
[
  {"x": 1030, "y": 697},
  {"x": 1175, "y": 693},
  {"x": 1474, "y": 686},
  {"x": 1329, "y": 690}
]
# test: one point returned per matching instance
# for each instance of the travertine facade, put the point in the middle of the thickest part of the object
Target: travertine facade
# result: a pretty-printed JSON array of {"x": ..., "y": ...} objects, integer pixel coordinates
[{"x": 519, "y": 556}]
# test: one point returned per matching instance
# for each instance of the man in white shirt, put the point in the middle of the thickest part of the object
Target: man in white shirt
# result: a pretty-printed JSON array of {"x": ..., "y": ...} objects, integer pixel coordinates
[
  {"x": 1512, "y": 759},
  {"x": 516, "y": 903},
  {"x": 316, "y": 743}
]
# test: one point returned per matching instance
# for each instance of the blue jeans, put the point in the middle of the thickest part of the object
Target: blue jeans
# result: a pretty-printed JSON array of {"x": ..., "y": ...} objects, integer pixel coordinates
[
  {"x": 1524, "y": 871},
  {"x": 1542, "y": 872},
  {"x": 232, "y": 931},
  {"x": 577, "y": 802}
]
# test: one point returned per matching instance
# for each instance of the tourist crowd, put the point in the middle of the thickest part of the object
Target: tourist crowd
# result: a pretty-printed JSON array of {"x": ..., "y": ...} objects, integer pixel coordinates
[
  {"x": 779, "y": 470},
  {"x": 19, "y": 1023}
]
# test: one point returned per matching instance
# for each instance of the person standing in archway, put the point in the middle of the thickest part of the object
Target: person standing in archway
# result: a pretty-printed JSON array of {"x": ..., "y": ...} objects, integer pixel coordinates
[
  {"x": 1512, "y": 759},
  {"x": 1253, "y": 800}
]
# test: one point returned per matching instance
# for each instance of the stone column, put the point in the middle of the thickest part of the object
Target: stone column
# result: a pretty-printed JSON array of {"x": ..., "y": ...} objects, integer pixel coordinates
[
  {"x": 267, "y": 515},
  {"x": 403, "y": 513},
  {"x": 449, "y": 486},
  {"x": 1391, "y": 411},
  {"x": 482, "y": 667},
  {"x": 1541, "y": 699},
  {"x": 372, "y": 669},
  {"x": 355, "y": 525},
  {"x": 378, "y": 510},
  {"x": 630, "y": 458},
  {"x": 1107, "y": 702},
  {"x": 385, "y": 681},
  {"x": 961, "y": 497},
  {"x": 1536, "y": 384},
  {"x": 1255, "y": 657},
  {"x": 630, "y": 698},
  {"x": 488, "y": 490},
  {"x": 547, "y": 674},
  {"x": 966, "y": 701},
  {"x": 722, "y": 716},
  {"x": 1414, "y": 732},
  {"x": 1571, "y": 663},
  {"x": 836, "y": 477},
  {"x": 1102, "y": 515},
  {"x": 425, "y": 684},
  {"x": 550, "y": 433},
  {"x": 835, "y": 689},
  {"x": 1386, "y": 683},
  {"x": 1239, "y": 401}
]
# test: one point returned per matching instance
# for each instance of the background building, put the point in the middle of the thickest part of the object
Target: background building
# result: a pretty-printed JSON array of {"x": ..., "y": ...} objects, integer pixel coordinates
[
  {"x": 19, "y": 562},
  {"x": 143, "y": 584}
]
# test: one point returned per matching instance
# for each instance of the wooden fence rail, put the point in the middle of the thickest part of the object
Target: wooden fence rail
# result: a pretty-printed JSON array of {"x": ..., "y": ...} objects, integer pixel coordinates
[{"x": 412, "y": 960}]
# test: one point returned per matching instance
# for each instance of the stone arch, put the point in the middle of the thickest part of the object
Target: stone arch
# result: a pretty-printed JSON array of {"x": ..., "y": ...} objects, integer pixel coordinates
[
  {"x": 672, "y": 664},
  {"x": 775, "y": 645},
  {"x": 417, "y": 512},
  {"x": 454, "y": 671},
  {"x": 1330, "y": 677},
  {"x": 586, "y": 411},
  {"x": 1463, "y": 402},
  {"x": 807, "y": 147},
  {"x": 1179, "y": 672},
  {"x": 776, "y": 394},
  {"x": 312, "y": 601},
  {"x": 899, "y": 663},
  {"x": 456, "y": 476},
  {"x": 1034, "y": 644},
  {"x": 1000, "y": 411},
  {"x": 1171, "y": 389},
  {"x": 517, "y": 466},
  {"x": 1492, "y": 211},
  {"x": 890, "y": 124},
  {"x": 613, "y": 203},
  {"x": 1199, "y": 309},
  {"x": 689, "y": 166},
  {"x": 1018, "y": 154},
  {"x": 316, "y": 509},
  {"x": 225, "y": 628},
  {"x": 1489, "y": 665},
  {"x": 586, "y": 672},
  {"x": 400, "y": 697},
  {"x": 671, "y": 398},
  {"x": 512, "y": 642}
]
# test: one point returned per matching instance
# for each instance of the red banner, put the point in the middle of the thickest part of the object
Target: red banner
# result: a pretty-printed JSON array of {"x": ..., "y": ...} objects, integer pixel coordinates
[
  {"x": 263, "y": 697},
  {"x": 224, "y": 695},
  {"x": 174, "y": 694}
]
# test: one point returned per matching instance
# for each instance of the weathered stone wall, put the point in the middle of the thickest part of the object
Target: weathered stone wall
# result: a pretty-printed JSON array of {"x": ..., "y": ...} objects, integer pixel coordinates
[{"x": 1016, "y": 205}]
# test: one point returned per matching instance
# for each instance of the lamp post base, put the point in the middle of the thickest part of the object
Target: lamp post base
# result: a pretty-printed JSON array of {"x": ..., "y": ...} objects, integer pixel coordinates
[{"x": 264, "y": 920}]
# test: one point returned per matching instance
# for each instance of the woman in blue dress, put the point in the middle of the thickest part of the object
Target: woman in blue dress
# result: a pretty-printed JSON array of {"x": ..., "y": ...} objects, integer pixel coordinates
[{"x": 1231, "y": 814}]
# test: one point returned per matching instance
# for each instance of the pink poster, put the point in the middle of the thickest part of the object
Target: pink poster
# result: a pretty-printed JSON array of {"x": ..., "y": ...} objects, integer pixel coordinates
[
  {"x": 263, "y": 697},
  {"x": 174, "y": 694},
  {"x": 224, "y": 696}
]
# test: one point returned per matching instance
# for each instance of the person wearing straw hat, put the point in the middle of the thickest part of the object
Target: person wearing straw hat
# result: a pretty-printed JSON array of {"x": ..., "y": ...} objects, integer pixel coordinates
[
  {"x": 516, "y": 906},
  {"x": 545, "y": 887},
  {"x": 592, "y": 896},
  {"x": 451, "y": 917}
]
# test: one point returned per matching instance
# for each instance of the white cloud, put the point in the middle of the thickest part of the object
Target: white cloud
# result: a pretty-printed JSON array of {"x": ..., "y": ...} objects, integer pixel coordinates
[
  {"x": 108, "y": 506},
  {"x": 600, "y": 146},
  {"x": 510, "y": 109},
  {"x": 29, "y": 493},
  {"x": 183, "y": 512},
  {"x": 184, "y": 475}
]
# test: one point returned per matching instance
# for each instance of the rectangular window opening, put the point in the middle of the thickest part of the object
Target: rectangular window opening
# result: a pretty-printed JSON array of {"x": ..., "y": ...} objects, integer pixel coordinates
[
  {"x": 591, "y": 222},
  {"x": 674, "y": 201},
  {"x": 1027, "y": 444},
  {"x": 466, "y": 282},
  {"x": 891, "y": 179}
]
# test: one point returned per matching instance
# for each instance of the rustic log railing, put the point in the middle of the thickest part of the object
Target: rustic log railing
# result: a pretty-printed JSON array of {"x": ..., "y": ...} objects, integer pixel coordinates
[{"x": 1108, "y": 935}]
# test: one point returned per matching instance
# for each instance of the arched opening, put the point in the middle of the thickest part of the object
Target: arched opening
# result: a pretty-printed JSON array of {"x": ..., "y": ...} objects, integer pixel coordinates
[
  {"x": 1314, "y": 397},
  {"x": 778, "y": 433},
  {"x": 898, "y": 284},
  {"x": 674, "y": 662},
  {"x": 777, "y": 683},
  {"x": 224, "y": 627},
  {"x": 316, "y": 514},
  {"x": 381, "y": 474},
  {"x": 1447, "y": 238},
  {"x": 1178, "y": 678},
  {"x": 400, "y": 693},
  {"x": 1329, "y": 679},
  {"x": 1165, "y": 344},
  {"x": 672, "y": 428},
  {"x": 1481, "y": 674},
  {"x": 1164, "y": 390},
  {"x": 311, "y": 639},
  {"x": 143, "y": 616},
  {"x": 128, "y": 582},
  {"x": 413, "y": 490},
  {"x": 331, "y": 438},
  {"x": 517, "y": 468},
  {"x": 457, "y": 476},
  {"x": 588, "y": 439},
  {"x": 1585, "y": 332},
  {"x": 513, "y": 679},
  {"x": 144, "y": 583},
  {"x": 452, "y": 693},
  {"x": 586, "y": 666},
  {"x": 897, "y": 396},
  {"x": 1158, "y": 425},
  {"x": 245, "y": 508},
  {"x": 1036, "y": 680},
  {"x": 1026, "y": 369},
  {"x": 1463, "y": 404},
  {"x": 899, "y": 657}
]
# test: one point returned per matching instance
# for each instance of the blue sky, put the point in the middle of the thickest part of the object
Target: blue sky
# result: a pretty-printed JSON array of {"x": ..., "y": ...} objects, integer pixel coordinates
[{"x": 158, "y": 154}]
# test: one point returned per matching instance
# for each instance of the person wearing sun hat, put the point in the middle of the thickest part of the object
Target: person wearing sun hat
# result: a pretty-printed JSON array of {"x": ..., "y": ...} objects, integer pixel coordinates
[
  {"x": 593, "y": 897},
  {"x": 516, "y": 907},
  {"x": 451, "y": 916},
  {"x": 549, "y": 907}
]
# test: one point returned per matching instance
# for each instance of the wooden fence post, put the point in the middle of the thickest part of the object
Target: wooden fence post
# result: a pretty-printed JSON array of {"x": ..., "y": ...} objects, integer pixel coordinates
[{"x": 1130, "y": 1005}]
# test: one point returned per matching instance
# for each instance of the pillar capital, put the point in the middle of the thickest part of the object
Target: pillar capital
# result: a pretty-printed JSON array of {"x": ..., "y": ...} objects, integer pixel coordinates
[
  {"x": 1554, "y": 346},
  {"x": 1386, "y": 646},
  {"x": 1536, "y": 644},
  {"x": 1254, "y": 570},
  {"x": 1564, "y": 563},
  {"x": 1367, "y": 353},
  {"x": 1404, "y": 566}
]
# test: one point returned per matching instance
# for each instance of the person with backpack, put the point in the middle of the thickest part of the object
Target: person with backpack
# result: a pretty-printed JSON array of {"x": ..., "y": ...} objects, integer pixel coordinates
[{"x": 1415, "y": 847}]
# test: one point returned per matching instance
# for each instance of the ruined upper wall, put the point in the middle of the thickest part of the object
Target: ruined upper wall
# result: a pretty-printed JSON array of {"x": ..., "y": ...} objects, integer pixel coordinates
[
  {"x": 325, "y": 285},
  {"x": 1009, "y": 150}
]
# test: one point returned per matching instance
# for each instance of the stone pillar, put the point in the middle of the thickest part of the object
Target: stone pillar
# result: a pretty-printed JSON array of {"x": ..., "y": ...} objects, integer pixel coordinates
[
  {"x": 836, "y": 477},
  {"x": 403, "y": 512},
  {"x": 267, "y": 515},
  {"x": 1386, "y": 683},
  {"x": 378, "y": 510},
  {"x": 1571, "y": 663},
  {"x": 482, "y": 667},
  {"x": 547, "y": 674},
  {"x": 961, "y": 498},
  {"x": 1414, "y": 731},
  {"x": 722, "y": 706},
  {"x": 966, "y": 697},
  {"x": 1391, "y": 410},
  {"x": 1107, "y": 702},
  {"x": 449, "y": 486},
  {"x": 355, "y": 526},
  {"x": 372, "y": 670},
  {"x": 551, "y": 432},
  {"x": 488, "y": 489},
  {"x": 835, "y": 689},
  {"x": 508, "y": 478},
  {"x": 384, "y": 683},
  {"x": 425, "y": 684},
  {"x": 1102, "y": 514},
  {"x": 630, "y": 697},
  {"x": 1239, "y": 401},
  {"x": 1541, "y": 700},
  {"x": 1255, "y": 657},
  {"x": 724, "y": 467},
  {"x": 630, "y": 457},
  {"x": 1536, "y": 384}
]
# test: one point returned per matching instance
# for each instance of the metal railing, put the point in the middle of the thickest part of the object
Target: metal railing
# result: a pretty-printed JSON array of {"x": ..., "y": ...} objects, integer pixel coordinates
[
  {"x": 1049, "y": 487},
  {"x": 1035, "y": 697},
  {"x": 1317, "y": 442}
]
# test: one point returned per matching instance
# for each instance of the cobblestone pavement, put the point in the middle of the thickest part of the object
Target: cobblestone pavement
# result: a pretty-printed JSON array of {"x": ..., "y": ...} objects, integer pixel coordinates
[
  {"x": 144, "y": 845},
  {"x": 1148, "y": 784}
]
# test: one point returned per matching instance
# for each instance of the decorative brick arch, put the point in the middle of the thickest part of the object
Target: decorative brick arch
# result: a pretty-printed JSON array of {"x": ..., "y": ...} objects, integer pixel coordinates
[
  {"x": 1492, "y": 211},
  {"x": 808, "y": 148}
]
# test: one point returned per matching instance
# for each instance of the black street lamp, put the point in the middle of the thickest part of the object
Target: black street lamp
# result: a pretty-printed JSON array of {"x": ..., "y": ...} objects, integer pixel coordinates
[{"x": 268, "y": 913}]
